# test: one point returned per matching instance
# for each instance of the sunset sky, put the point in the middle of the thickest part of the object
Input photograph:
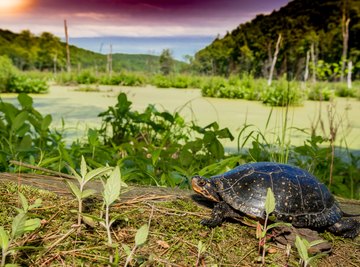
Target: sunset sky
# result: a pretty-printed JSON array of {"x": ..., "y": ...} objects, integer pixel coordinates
[{"x": 132, "y": 18}]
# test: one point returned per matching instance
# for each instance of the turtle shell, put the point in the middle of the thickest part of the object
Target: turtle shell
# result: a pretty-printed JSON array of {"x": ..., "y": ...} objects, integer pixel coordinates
[{"x": 300, "y": 198}]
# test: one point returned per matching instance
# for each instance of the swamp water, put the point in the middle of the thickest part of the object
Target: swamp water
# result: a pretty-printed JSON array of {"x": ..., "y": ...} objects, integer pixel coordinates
[{"x": 80, "y": 111}]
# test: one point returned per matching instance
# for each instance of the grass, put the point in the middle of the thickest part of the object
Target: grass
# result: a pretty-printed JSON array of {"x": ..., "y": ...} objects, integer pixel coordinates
[{"x": 173, "y": 240}]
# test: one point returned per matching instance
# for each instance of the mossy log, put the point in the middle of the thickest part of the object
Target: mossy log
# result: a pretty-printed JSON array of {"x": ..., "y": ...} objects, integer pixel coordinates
[{"x": 174, "y": 236}]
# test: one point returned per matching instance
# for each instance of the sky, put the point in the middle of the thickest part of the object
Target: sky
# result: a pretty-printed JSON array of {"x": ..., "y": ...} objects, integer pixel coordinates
[{"x": 141, "y": 20}]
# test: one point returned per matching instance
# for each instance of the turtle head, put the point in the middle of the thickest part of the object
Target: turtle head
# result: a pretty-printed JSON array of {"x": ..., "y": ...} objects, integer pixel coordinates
[{"x": 205, "y": 188}]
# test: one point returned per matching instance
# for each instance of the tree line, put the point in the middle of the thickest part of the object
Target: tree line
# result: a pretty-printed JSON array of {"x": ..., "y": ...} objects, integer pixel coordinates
[
  {"x": 311, "y": 30},
  {"x": 47, "y": 52}
]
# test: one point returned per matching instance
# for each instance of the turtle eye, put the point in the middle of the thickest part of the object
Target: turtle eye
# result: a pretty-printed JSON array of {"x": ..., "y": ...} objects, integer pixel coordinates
[{"x": 202, "y": 183}]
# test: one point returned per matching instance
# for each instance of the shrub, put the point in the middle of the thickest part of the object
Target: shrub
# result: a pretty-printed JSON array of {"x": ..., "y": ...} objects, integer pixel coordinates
[
  {"x": 25, "y": 84},
  {"x": 180, "y": 81},
  {"x": 282, "y": 93},
  {"x": 86, "y": 77},
  {"x": 125, "y": 79},
  {"x": 213, "y": 87},
  {"x": 7, "y": 71},
  {"x": 320, "y": 92},
  {"x": 161, "y": 81},
  {"x": 66, "y": 78},
  {"x": 24, "y": 133},
  {"x": 342, "y": 90}
]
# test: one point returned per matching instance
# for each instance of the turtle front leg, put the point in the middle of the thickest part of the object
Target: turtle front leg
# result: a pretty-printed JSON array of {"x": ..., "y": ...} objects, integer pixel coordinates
[
  {"x": 220, "y": 211},
  {"x": 346, "y": 227}
]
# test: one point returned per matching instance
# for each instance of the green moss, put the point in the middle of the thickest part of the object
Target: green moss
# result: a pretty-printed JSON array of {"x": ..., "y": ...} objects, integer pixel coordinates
[{"x": 174, "y": 236}]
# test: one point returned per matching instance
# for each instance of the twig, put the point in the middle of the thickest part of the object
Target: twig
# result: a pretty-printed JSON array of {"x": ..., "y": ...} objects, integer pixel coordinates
[
  {"x": 59, "y": 240},
  {"x": 26, "y": 165}
]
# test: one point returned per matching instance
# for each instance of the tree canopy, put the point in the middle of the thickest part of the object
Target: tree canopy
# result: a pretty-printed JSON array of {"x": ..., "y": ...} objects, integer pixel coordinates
[{"x": 249, "y": 47}]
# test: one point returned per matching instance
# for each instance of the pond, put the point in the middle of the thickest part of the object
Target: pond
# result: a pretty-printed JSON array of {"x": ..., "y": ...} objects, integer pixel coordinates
[{"x": 80, "y": 111}]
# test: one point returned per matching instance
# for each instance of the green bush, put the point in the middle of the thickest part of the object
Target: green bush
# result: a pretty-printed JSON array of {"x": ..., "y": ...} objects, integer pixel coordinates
[
  {"x": 282, "y": 93},
  {"x": 7, "y": 71},
  {"x": 24, "y": 133},
  {"x": 320, "y": 92},
  {"x": 213, "y": 87},
  {"x": 25, "y": 84},
  {"x": 86, "y": 77},
  {"x": 180, "y": 81},
  {"x": 125, "y": 79},
  {"x": 161, "y": 81},
  {"x": 342, "y": 90},
  {"x": 159, "y": 146},
  {"x": 66, "y": 78}
]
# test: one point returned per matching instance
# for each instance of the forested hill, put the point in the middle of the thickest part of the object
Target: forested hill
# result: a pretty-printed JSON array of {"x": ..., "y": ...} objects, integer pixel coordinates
[
  {"x": 43, "y": 52},
  {"x": 302, "y": 23}
]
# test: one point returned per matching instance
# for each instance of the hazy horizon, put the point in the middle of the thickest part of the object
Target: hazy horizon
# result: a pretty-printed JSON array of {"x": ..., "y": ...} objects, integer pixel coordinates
[
  {"x": 185, "y": 25},
  {"x": 178, "y": 45}
]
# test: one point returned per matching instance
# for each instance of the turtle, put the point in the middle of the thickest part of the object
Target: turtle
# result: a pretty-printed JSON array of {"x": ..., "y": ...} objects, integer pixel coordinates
[{"x": 300, "y": 199}]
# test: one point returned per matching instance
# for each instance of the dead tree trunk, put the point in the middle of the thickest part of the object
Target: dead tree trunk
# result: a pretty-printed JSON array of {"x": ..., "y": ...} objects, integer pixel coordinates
[
  {"x": 345, "y": 34},
  {"x": 55, "y": 60},
  {"x": 313, "y": 61},
  {"x": 68, "y": 63},
  {"x": 109, "y": 61},
  {"x": 274, "y": 60},
  {"x": 306, "y": 74},
  {"x": 349, "y": 85}
]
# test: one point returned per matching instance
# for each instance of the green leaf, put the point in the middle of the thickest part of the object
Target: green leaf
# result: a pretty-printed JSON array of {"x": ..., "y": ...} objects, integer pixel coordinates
[
  {"x": 83, "y": 167},
  {"x": 93, "y": 137},
  {"x": 269, "y": 202},
  {"x": 201, "y": 247},
  {"x": 18, "y": 225},
  {"x": 277, "y": 225},
  {"x": 36, "y": 204},
  {"x": 97, "y": 172},
  {"x": 45, "y": 123},
  {"x": 112, "y": 187},
  {"x": 88, "y": 192},
  {"x": 88, "y": 220},
  {"x": 116, "y": 257},
  {"x": 316, "y": 242},
  {"x": 31, "y": 224},
  {"x": 25, "y": 100},
  {"x": 4, "y": 239},
  {"x": 141, "y": 235},
  {"x": 24, "y": 202},
  {"x": 23, "y": 130},
  {"x": 25, "y": 144},
  {"x": 126, "y": 249},
  {"x": 19, "y": 121},
  {"x": 155, "y": 156},
  {"x": 74, "y": 189},
  {"x": 301, "y": 248},
  {"x": 315, "y": 257}
]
